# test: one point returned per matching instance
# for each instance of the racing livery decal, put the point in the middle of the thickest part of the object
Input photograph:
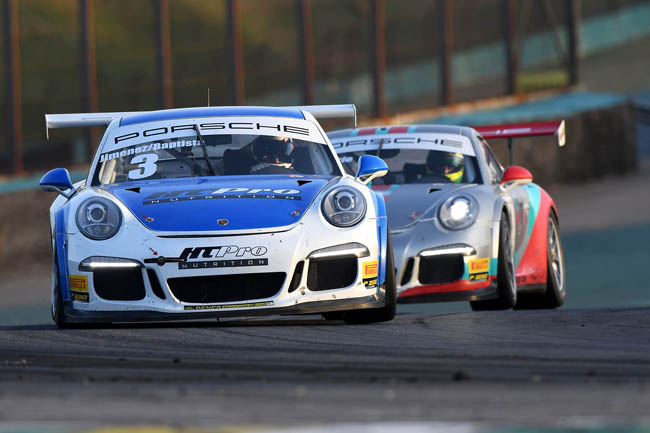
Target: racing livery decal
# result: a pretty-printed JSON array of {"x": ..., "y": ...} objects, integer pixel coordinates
[
  {"x": 370, "y": 272},
  {"x": 228, "y": 306},
  {"x": 79, "y": 288},
  {"x": 221, "y": 193},
  {"x": 479, "y": 269},
  {"x": 222, "y": 251}
]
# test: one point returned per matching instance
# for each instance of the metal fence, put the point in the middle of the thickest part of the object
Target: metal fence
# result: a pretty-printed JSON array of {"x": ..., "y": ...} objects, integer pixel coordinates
[{"x": 384, "y": 55}]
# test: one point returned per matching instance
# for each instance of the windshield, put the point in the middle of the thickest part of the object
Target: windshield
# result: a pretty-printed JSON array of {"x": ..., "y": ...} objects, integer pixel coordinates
[
  {"x": 419, "y": 166},
  {"x": 204, "y": 154}
]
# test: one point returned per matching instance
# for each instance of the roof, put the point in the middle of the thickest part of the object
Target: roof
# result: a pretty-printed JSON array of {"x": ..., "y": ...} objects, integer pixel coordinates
[{"x": 181, "y": 113}]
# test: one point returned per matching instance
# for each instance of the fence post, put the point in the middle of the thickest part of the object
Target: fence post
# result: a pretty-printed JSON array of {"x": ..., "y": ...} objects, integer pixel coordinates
[
  {"x": 14, "y": 93},
  {"x": 163, "y": 53},
  {"x": 511, "y": 42},
  {"x": 379, "y": 56},
  {"x": 88, "y": 66},
  {"x": 446, "y": 37},
  {"x": 306, "y": 50},
  {"x": 236, "y": 50},
  {"x": 573, "y": 29}
]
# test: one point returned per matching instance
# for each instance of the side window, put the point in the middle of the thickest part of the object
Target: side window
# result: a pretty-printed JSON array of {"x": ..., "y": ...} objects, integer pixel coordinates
[{"x": 495, "y": 170}]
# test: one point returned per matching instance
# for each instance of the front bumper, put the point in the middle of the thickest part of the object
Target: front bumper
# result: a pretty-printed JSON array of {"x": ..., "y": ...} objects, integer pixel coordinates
[
  {"x": 434, "y": 265},
  {"x": 224, "y": 257}
]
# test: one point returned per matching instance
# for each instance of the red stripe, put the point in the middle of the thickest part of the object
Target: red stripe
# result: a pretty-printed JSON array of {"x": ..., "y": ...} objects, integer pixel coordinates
[
  {"x": 367, "y": 131},
  {"x": 514, "y": 130},
  {"x": 395, "y": 129},
  {"x": 456, "y": 286}
]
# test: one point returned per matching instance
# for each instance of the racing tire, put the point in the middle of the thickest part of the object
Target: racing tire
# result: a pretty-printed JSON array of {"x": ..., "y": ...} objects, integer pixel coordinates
[
  {"x": 58, "y": 313},
  {"x": 555, "y": 291},
  {"x": 506, "y": 282},
  {"x": 387, "y": 312}
]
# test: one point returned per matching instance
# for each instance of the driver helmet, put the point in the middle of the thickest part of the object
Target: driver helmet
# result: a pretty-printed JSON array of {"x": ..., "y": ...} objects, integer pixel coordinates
[
  {"x": 272, "y": 150},
  {"x": 448, "y": 164}
]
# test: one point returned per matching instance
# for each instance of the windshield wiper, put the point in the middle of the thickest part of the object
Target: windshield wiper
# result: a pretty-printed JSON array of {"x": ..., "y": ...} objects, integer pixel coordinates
[{"x": 205, "y": 151}]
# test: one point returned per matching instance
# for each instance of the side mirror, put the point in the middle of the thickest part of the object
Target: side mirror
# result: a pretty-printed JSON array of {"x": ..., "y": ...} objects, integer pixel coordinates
[
  {"x": 515, "y": 176},
  {"x": 371, "y": 167},
  {"x": 57, "y": 180}
]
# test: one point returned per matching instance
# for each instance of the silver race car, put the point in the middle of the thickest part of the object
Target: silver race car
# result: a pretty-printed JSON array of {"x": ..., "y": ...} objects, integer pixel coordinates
[{"x": 463, "y": 227}]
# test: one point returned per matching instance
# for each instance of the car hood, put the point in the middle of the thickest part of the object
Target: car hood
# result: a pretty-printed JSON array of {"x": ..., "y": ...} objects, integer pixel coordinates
[
  {"x": 407, "y": 204},
  {"x": 219, "y": 204}
]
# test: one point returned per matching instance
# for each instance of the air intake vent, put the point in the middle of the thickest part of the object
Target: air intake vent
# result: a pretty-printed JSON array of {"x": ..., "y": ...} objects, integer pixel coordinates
[
  {"x": 119, "y": 284},
  {"x": 226, "y": 288},
  {"x": 408, "y": 272},
  {"x": 441, "y": 269},
  {"x": 297, "y": 276},
  {"x": 326, "y": 274},
  {"x": 155, "y": 284}
]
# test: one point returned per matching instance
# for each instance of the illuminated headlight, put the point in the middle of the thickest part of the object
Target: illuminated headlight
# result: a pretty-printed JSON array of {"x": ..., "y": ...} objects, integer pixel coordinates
[
  {"x": 98, "y": 218},
  {"x": 344, "y": 207},
  {"x": 459, "y": 212}
]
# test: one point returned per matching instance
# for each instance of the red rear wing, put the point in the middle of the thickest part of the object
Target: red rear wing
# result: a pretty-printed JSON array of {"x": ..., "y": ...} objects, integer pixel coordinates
[{"x": 517, "y": 130}]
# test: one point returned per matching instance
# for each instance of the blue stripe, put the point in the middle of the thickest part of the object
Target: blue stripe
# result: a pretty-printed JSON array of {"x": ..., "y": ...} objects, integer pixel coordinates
[
  {"x": 382, "y": 235},
  {"x": 181, "y": 113},
  {"x": 61, "y": 238}
]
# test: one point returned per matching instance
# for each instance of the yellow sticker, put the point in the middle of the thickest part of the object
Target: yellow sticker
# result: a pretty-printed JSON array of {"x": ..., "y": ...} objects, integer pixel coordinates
[
  {"x": 79, "y": 283},
  {"x": 477, "y": 277},
  {"x": 479, "y": 266},
  {"x": 370, "y": 269}
]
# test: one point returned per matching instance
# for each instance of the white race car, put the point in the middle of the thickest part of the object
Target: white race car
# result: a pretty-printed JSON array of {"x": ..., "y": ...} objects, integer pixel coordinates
[{"x": 218, "y": 211}]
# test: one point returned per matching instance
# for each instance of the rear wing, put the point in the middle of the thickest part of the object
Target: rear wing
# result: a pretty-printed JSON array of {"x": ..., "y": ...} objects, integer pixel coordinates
[
  {"x": 85, "y": 120},
  {"x": 519, "y": 130}
]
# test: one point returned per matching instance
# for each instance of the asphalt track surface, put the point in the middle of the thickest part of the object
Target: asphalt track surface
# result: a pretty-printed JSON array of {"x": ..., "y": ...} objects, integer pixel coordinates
[
  {"x": 585, "y": 364},
  {"x": 528, "y": 367}
]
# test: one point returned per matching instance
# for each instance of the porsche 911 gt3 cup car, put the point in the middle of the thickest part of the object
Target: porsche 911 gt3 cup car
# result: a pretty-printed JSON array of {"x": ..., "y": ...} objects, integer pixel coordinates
[
  {"x": 463, "y": 228},
  {"x": 218, "y": 211}
]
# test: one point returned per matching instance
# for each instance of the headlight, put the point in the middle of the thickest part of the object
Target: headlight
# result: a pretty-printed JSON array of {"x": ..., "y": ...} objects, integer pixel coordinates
[
  {"x": 344, "y": 207},
  {"x": 459, "y": 212},
  {"x": 98, "y": 218}
]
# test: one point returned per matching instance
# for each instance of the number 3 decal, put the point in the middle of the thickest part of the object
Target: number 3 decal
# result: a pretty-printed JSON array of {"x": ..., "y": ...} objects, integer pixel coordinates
[{"x": 146, "y": 165}]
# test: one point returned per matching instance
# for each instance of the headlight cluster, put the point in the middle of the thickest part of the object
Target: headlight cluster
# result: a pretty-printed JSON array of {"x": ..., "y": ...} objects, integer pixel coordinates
[
  {"x": 98, "y": 218},
  {"x": 344, "y": 207},
  {"x": 459, "y": 212}
]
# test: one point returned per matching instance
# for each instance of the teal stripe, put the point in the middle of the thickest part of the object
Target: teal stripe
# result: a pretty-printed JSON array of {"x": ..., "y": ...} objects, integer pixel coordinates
[
  {"x": 494, "y": 263},
  {"x": 466, "y": 272},
  {"x": 534, "y": 198}
]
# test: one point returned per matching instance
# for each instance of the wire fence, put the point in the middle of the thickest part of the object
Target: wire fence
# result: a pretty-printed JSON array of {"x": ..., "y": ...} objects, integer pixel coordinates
[{"x": 386, "y": 56}]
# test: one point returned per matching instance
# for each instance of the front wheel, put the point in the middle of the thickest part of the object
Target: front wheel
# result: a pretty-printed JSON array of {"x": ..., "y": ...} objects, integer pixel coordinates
[
  {"x": 506, "y": 283},
  {"x": 387, "y": 312}
]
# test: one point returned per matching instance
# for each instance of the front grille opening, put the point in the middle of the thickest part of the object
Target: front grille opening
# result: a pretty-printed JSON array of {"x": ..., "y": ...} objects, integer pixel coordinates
[
  {"x": 297, "y": 276},
  {"x": 226, "y": 288},
  {"x": 327, "y": 274},
  {"x": 408, "y": 272},
  {"x": 441, "y": 269},
  {"x": 119, "y": 284},
  {"x": 155, "y": 284}
]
